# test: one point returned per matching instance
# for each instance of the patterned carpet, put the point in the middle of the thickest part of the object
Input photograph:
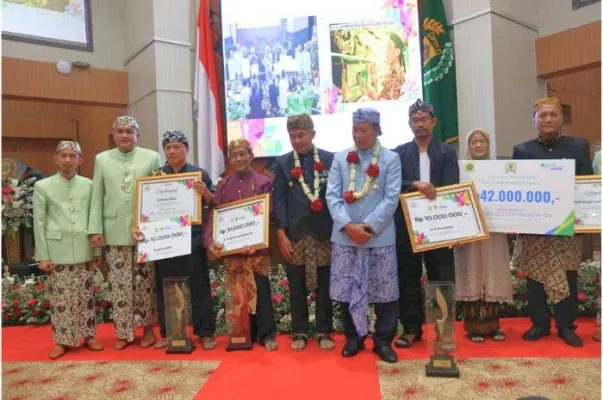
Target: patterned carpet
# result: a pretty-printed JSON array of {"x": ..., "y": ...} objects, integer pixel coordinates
[
  {"x": 162, "y": 380},
  {"x": 494, "y": 379}
]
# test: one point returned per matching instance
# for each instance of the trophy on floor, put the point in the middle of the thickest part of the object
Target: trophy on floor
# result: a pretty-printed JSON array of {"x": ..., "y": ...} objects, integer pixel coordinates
[
  {"x": 177, "y": 299},
  {"x": 237, "y": 313},
  {"x": 440, "y": 311}
]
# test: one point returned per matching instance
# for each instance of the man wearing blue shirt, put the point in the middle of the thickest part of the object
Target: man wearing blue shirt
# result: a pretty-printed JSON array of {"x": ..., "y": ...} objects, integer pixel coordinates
[{"x": 362, "y": 194}]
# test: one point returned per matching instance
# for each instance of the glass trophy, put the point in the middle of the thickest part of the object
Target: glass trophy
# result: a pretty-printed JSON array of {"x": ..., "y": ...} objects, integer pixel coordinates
[
  {"x": 237, "y": 313},
  {"x": 176, "y": 295},
  {"x": 440, "y": 313}
]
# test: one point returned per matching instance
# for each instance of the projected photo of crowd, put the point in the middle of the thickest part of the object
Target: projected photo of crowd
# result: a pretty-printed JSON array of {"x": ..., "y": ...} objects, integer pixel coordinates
[
  {"x": 271, "y": 71},
  {"x": 369, "y": 61}
]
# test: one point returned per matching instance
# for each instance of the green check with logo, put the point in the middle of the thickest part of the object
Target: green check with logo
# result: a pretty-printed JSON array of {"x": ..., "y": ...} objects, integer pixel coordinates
[{"x": 524, "y": 196}]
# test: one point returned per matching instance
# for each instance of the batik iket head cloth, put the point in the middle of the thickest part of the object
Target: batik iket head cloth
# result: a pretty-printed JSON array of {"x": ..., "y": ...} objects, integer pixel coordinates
[
  {"x": 546, "y": 101},
  {"x": 126, "y": 120},
  {"x": 244, "y": 143},
  {"x": 420, "y": 106},
  {"x": 69, "y": 144},
  {"x": 173, "y": 137},
  {"x": 302, "y": 121},
  {"x": 368, "y": 115}
]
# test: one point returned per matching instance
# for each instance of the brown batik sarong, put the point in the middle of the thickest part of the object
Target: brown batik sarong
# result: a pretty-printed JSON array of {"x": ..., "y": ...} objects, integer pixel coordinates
[
  {"x": 72, "y": 303},
  {"x": 312, "y": 254},
  {"x": 132, "y": 291},
  {"x": 481, "y": 317},
  {"x": 246, "y": 266},
  {"x": 546, "y": 259}
]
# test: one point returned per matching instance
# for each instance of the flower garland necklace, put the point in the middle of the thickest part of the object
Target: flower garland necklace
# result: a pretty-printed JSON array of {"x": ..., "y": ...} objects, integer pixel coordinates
[
  {"x": 297, "y": 172},
  {"x": 371, "y": 173}
]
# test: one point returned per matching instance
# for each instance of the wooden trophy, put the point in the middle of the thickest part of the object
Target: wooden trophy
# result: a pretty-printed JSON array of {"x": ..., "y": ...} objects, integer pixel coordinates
[
  {"x": 439, "y": 309},
  {"x": 177, "y": 298},
  {"x": 237, "y": 313}
]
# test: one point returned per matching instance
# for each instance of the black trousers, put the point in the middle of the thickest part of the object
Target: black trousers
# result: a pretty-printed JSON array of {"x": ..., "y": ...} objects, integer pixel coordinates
[
  {"x": 440, "y": 267},
  {"x": 385, "y": 326},
  {"x": 566, "y": 311},
  {"x": 296, "y": 275},
  {"x": 262, "y": 323},
  {"x": 195, "y": 267}
]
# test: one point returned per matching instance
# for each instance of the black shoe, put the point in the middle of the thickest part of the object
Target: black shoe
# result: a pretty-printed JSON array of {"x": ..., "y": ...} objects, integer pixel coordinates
[
  {"x": 536, "y": 333},
  {"x": 386, "y": 353},
  {"x": 570, "y": 338},
  {"x": 351, "y": 348}
]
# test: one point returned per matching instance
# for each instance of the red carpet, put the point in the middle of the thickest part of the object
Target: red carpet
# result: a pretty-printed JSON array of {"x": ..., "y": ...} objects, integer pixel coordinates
[{"x": 283, "y": 373}]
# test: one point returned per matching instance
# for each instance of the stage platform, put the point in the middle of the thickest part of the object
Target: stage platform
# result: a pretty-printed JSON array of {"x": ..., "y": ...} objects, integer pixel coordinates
[{"x": 492, "y": 370}]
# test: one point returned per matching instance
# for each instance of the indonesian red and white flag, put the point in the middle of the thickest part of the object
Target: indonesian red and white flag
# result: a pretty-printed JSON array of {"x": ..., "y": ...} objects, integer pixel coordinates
[{"x": 206, "y": 101}]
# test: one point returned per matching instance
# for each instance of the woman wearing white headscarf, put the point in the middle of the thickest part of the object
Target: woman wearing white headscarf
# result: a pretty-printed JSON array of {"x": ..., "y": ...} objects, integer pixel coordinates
[{"x": 482, "y": 272}]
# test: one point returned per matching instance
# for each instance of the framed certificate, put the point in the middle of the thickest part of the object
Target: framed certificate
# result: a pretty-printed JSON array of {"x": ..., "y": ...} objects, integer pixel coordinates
[
  {"x": 587, "y": 208},
  {"x": 168, "y": 196},
  {"x": 454, "y": 217},
  {"x": 242, "y": 225}
]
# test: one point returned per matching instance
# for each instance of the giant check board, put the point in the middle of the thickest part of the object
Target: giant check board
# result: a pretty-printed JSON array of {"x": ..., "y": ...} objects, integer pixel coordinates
[{"x": 524, "y": 196}]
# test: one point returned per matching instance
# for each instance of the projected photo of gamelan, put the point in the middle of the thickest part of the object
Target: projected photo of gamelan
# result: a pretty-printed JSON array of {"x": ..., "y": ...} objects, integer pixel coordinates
[
  {"x": 271, "y": 71},
  {"x": 369, "y": 61}
]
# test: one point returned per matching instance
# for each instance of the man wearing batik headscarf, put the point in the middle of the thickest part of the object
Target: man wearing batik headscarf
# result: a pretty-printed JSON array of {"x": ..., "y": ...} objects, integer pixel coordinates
[
  {"x": 551, "y": 262},
  {"x": 362, "y": 194},
  {"x": 251, "y": 264},
  {"x": 132, "y": 285},
  {"x": 427, "y": 164},
  {"x": 304, "y": 229},
  {"x": 60, "y": 221},
  {"x": 194, "y": 266}
]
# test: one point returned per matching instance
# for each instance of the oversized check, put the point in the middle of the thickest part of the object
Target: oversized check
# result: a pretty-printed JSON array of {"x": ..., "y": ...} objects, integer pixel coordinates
[
  {"x": 454, "y": 217},
  {"x": 164, "y": 239},
  {"x": 242, "y": 225},
  {"x": 524, "y": 196},
  {"x": 588, "y": 204}
]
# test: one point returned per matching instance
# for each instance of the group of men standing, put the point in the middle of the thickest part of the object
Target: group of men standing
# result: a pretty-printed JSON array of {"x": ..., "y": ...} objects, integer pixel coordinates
[{"x": 340, "y": 230}]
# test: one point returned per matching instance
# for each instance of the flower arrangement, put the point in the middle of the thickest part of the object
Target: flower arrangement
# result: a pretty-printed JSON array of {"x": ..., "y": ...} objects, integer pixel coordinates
[
  {"x": 17, "y": 203},
  {"x": 26, "y": 300}
]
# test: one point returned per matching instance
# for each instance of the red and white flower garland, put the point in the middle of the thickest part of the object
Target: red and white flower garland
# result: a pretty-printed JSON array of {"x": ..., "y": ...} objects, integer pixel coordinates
[
  {"x": 371, "y": 173},
  {"x": 297, "y": 172}
]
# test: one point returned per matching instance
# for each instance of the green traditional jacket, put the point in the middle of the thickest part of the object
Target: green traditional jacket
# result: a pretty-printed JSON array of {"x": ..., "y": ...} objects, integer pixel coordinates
[
  {"x": 113, "y": 191},
  {"x": 60, "y": 218}
]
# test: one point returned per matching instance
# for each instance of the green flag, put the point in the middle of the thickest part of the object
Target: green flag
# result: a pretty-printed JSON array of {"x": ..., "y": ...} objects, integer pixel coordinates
[{"x": 439, "y": 76}]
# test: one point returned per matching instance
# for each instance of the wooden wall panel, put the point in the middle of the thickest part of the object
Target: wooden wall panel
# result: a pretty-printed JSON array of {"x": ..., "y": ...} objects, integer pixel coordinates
[
  {"x": 89, "y": 124},
  {"x": 568, "y": 51},
  {"x": 582, "y": 92},
  {"x": 36, "y": 128},
  {"x": 41, "y": 80}
]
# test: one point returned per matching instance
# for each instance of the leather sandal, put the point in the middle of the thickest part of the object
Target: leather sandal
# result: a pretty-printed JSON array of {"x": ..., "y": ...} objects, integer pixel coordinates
[
  {"x": 497, "y": 336},
  {"x": 208, "y": 343},
  {"x": 94, "y": 344},
  {"x": 325, "y": 342},
  {"x": 476, "y": 337},
  {"x": 57, "y": 352},
  {"x": 120, "y": 344},
  {"x": 405, "y": 341},
  {"x": 300, "y": 341},
  {"x": 271, "y": 344}
]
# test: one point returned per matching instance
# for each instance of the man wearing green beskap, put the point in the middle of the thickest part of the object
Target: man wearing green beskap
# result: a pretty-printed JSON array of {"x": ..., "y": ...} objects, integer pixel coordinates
[
  {"x": 132, "y": 285},
  {"x": 61, "y": 204}
]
